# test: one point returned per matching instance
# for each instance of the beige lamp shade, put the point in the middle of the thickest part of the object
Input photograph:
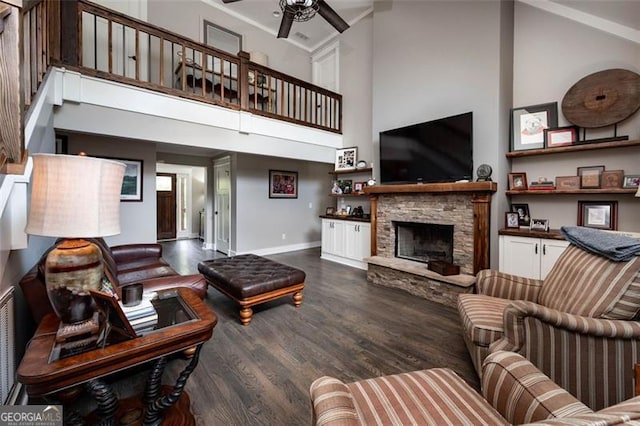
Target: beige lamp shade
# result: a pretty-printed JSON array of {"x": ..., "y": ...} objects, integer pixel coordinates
[{"x": 75, "y": 196}]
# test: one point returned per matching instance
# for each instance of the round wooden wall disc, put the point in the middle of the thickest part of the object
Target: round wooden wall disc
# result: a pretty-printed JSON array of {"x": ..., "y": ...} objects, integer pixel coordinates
[{"x": 602, "y": 98}]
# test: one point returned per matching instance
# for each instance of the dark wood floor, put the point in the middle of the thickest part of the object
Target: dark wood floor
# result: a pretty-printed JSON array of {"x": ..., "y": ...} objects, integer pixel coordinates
[{"x": 346, "y": 328}]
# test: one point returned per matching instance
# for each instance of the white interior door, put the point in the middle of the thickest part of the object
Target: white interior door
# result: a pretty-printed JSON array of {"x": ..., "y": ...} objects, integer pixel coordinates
[{"x": 222, "y": 205}]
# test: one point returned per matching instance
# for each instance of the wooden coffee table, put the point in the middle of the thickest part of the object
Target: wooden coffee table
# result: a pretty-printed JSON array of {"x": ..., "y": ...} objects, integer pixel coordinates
[{"x": 49, "y": 378}]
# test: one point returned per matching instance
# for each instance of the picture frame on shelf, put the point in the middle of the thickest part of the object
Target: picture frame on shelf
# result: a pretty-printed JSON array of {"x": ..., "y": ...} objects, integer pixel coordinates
[
  {"x": 528, "y": 124},
  {"x": 358, "y": 187},
  {"x": 517, "y": 181},
  {"x": 283, "y": 184},
  {"x": 524, "y": 217},
  {"x": 560, "y": 136},
  {"x": 612, "y": 178},
  {"x": 330, "y": 211},
  {"x": 346, "y": 158},
  {"x": 590, "y": 177},
  {"x": 511, "y": 220},
  {"x": 567, "y": 183},
  {"x": 346, "y": 185},
  {"x": 598, "y": 214},
  {"x": 539, "y": 225},
  {"x": 631, "y": 181}
]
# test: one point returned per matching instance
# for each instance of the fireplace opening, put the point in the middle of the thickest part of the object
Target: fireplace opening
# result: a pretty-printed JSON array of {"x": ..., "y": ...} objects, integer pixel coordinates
[{"x": 423, "y": 242}]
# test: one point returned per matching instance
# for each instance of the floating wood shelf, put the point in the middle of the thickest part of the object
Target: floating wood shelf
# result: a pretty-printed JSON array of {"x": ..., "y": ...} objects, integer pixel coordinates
[
  {"x": 574, "y": 148},
  {"x": 573, "y": 191},
  {"x": 351, "y": 171}
]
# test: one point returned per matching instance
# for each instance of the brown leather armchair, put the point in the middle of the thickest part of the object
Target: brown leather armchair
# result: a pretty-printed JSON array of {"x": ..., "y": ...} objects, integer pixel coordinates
[{"x": 124, "y": 264}]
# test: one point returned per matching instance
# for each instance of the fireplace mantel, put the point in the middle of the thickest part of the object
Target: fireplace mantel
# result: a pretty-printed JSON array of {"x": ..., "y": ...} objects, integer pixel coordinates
[
  {"x": 476, "y": 187},
  {"x": 476, "y": 193}
]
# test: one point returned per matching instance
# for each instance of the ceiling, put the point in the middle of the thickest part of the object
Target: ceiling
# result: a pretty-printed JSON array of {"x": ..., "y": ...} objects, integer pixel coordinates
[
  {"x": 308, "y": 35},
  {"x": 317, "y": 31}
]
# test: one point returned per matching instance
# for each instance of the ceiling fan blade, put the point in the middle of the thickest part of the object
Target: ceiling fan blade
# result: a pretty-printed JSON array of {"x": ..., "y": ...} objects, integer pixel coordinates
[
  {"x": 331, "y": 16},
  {"x": 229, "y": 1},
  {"x": 285, "y": 24}
]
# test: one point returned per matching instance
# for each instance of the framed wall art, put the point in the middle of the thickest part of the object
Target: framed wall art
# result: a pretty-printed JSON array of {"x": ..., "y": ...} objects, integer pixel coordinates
[
  {"x": 132, "y": 180},
  {"x": 283, "y": 184},
  {"x": 528, "y": 125},
  {"x": 346, "y": 158},
  {"x": 598, "y": 214},
  {"x": 560, "y": 136},
  {"x": 590, "y": 177}
]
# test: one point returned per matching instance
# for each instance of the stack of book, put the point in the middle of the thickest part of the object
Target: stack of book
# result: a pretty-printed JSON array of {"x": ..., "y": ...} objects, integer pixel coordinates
[
  {"x": 142, "y": 317},
  {"x": 542, "y": 185}
]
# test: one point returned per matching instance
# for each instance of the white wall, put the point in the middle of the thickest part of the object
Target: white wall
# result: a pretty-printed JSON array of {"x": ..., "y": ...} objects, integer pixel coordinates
[
  {"x": 261, "y": 221},
  {"x": 137, "y": 219},
  {"x": 441, "y": 58},
  {"x": 356, "y": 87},
  {"x": 551, "y": 54},
  {"x": 283, "y": 56}
]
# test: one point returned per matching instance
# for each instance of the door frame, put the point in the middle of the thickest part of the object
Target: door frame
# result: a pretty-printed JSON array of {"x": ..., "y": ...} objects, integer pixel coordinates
[{"x": 219, "y": 163}]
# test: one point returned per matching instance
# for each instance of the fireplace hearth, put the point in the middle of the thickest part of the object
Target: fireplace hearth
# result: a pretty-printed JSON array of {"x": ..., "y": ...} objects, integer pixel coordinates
[{"x": 423, "y": 242}]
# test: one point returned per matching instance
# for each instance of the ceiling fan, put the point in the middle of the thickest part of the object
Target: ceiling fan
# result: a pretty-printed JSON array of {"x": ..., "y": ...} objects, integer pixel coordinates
[{"x": 302, "y": 11}]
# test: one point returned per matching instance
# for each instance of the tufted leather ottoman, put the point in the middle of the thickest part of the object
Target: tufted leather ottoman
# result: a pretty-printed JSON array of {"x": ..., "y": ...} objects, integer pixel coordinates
[{"x": 250, "y": 280}]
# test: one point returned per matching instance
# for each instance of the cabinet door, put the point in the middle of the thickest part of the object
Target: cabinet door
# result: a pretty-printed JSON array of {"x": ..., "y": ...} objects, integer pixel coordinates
[
  {"x": 520, "y": 256},
  {"x": 365, "y": 240},
  {"x": 551, "y": 251},
  {"x": 332, "y": 237},
  {"x": 327, "y": 236},
  {"x": 351, "y": 240},
  {"x": 357, "y": 240}
]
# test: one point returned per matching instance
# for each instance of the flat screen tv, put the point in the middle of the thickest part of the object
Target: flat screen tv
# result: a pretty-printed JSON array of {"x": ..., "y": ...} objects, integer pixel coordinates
[{"x": 435, "y": 151}]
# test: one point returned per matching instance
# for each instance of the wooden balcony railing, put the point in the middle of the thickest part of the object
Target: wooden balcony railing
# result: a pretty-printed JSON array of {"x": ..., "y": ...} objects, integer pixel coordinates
[{"x": 97, "y": 41}]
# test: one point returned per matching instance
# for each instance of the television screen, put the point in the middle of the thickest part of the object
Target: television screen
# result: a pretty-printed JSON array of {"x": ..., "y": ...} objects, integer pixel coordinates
[{"x": 435, "y": 151}]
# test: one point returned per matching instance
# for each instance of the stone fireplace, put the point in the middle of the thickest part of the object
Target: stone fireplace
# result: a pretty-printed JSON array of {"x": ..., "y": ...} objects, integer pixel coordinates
[
  {"x": 459, "y": 213},
  {"x": 423, "y": 242}
]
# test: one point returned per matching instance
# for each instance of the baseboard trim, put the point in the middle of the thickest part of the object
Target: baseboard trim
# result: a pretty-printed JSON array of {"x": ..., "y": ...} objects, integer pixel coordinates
[{"x": 283, "y": 249}]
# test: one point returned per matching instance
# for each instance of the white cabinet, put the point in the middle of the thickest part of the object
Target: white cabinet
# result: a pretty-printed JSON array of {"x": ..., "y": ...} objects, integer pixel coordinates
[
  {"x": 347, "y": 242},
  {"x": 529, "y": 257},
  {"x": 333, "y": 237}
]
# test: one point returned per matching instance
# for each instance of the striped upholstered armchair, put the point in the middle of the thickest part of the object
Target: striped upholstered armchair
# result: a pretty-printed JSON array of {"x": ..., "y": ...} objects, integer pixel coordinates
[
  {"x": 514, "y": 391},
  {"x": 578, "y": 326}
]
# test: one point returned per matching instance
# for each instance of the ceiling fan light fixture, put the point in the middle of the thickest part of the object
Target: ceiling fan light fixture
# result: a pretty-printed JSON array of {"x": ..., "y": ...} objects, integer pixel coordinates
[{"x": 302, "y": 10}]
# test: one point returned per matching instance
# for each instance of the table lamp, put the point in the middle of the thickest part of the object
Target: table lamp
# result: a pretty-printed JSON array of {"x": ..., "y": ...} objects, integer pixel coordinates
[{"x": 74, "y": 197}]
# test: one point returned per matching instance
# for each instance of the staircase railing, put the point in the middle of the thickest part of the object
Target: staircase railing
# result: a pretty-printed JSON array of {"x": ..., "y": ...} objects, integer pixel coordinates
[{"x": 100, "y": 42}]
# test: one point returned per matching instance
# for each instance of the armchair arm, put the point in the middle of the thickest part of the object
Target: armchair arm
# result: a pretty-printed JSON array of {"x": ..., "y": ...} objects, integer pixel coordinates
[
  {"x": 522, "y": 394},
  {"x": 591, "y": 358},
  {"x": 332, "y": 403},
  {"x": 507, "y": 286},
  {"x": 132, "y": 252}
]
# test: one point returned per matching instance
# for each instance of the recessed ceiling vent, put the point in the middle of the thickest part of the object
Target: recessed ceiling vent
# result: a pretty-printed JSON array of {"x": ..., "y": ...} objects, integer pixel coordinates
[{"x": 301, "y": 36}]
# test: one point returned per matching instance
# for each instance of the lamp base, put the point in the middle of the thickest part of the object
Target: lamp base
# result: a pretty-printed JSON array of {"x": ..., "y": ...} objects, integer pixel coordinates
[{"x": 73, "y": 268}]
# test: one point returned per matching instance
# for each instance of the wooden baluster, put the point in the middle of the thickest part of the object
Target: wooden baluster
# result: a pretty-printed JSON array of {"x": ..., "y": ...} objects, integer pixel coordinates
[
  {"x": 110, "y": 44},
  {"x": 137, "y": 54},
  {"x": 161, "y": 58},
  {"x": 69, "y": 32}
]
